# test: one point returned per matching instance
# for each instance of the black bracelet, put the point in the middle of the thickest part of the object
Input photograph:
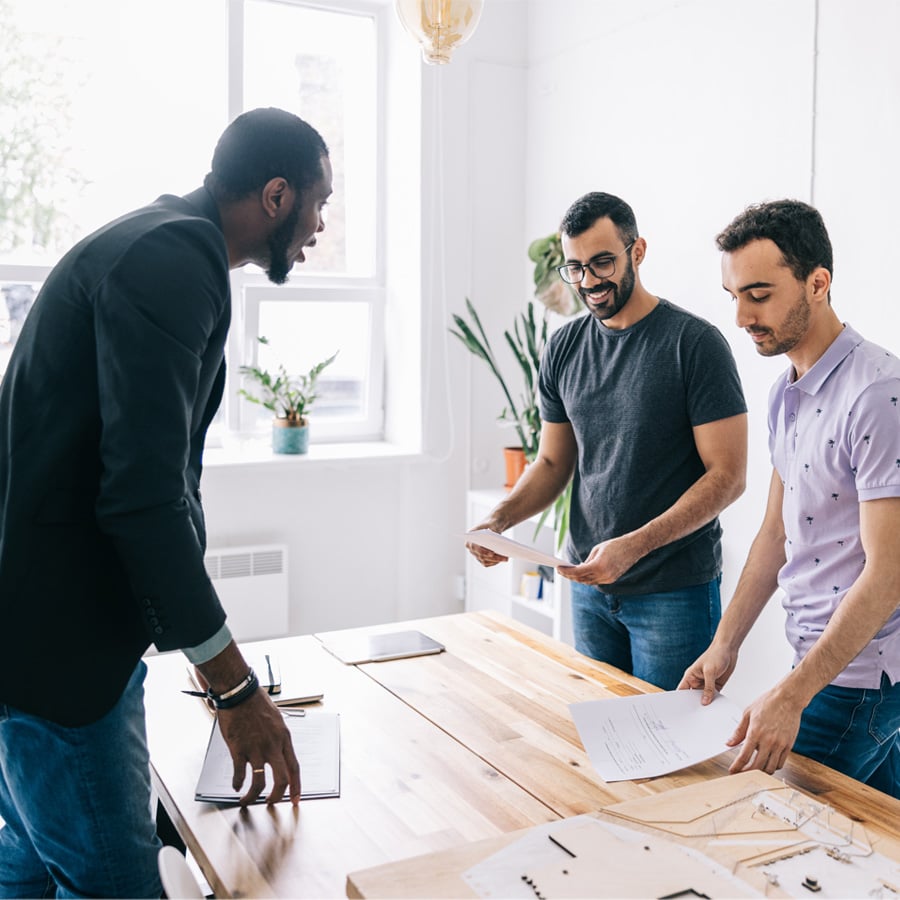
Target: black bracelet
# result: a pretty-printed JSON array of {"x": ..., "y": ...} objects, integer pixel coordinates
[{"x": 237, "y": 694}]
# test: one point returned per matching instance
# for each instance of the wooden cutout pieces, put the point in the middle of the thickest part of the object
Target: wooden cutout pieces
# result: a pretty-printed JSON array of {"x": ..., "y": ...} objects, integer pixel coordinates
[{"x": 606, "y": 861}]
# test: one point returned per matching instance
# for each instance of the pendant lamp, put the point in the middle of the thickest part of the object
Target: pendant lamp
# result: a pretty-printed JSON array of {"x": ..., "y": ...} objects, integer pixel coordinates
[{"x": 439, "y": 26}]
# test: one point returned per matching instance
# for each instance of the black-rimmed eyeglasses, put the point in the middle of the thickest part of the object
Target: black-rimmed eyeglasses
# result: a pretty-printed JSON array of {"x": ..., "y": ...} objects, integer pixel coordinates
[{"x": 600, "y": 267}]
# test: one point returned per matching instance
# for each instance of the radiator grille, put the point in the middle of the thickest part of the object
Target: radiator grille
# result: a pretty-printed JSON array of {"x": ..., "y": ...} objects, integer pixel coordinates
[
  {"x": 244, "y": 564},
  {"x": 252, "y": 585}
]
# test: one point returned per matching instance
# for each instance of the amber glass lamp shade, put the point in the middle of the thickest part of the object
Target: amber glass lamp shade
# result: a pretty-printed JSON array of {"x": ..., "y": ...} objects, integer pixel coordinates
[{"x": 439, "y": 26}]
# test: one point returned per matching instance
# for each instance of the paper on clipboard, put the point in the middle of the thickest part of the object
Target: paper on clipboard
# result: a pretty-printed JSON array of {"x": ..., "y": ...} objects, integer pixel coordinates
[
  {"x": 317, "y": 742},
  {"x": 508, "y": 547}
]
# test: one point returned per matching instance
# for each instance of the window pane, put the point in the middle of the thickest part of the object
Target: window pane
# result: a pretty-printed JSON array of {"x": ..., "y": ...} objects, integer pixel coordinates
[
  {"x": 321, "y": 66},
  {"x": 106, "y": 104},
  {"x": 303, "y": 333},
  {"x": 18, "y": 297}
]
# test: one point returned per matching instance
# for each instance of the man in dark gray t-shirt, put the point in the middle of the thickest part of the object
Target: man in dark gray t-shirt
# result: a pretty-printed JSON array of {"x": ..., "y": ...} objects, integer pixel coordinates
[{"x": 642, "y": 406}]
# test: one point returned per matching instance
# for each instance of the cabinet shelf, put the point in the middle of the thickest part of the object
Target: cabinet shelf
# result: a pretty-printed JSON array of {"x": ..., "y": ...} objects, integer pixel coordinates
[{"x": 539, "y": 606}]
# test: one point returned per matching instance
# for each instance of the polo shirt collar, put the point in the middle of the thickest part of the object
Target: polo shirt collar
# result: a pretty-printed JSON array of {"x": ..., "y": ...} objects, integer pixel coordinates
[{"x": 841, "y": 347}]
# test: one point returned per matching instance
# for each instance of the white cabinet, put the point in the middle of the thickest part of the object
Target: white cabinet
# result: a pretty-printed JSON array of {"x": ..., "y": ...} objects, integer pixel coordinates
[{"x": 501, "y": 587}]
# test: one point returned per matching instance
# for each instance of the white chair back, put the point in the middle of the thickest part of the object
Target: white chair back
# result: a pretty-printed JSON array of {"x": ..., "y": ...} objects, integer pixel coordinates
[{"x": 177, "y": 878}]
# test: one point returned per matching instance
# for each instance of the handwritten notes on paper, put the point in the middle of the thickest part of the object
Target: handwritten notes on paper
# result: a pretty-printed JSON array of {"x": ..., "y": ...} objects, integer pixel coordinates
[{"x": 653, "y": 734}]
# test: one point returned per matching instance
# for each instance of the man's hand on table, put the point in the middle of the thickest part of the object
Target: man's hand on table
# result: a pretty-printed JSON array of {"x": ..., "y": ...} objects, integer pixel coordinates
[{"x": 256, "y": 733}]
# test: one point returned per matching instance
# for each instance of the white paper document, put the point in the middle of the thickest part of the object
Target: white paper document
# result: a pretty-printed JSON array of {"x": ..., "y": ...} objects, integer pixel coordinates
[
  {"x": 317, "y": 743},
  {"x": 653, "y": 734},
  {"x": 508, "y": 547}
]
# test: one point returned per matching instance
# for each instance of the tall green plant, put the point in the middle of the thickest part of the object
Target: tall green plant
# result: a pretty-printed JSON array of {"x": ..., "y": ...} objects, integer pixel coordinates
[{"x": 526, "y": 341}]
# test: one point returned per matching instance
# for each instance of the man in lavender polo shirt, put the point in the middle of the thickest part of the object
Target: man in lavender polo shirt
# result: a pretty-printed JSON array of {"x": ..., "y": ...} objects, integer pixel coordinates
[{"x": 829, "y": 535}]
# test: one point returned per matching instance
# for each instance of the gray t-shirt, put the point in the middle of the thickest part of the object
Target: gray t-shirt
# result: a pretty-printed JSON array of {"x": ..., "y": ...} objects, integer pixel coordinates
[{"x": 633, "y": 397}]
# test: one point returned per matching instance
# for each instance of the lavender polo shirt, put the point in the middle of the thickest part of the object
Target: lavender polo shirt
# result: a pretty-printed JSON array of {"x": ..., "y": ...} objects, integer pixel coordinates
[{"x": 834, "y": 438}]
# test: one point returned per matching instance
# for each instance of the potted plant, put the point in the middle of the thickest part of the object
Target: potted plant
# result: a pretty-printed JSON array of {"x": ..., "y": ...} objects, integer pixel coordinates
[
  {"x": 290, "y": 398},
  {"x": 527, "y": 346},
  {"x": 527, "y": 343},
  {"x": 558, "y": 296}
]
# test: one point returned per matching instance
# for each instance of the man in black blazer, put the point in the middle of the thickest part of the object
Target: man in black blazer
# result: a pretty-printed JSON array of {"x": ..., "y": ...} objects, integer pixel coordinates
[{"x": 104, "y": 408}]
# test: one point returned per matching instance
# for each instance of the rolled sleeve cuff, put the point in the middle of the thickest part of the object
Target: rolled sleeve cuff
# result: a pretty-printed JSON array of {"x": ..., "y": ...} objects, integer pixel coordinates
[{"x": 208, "y": 649}]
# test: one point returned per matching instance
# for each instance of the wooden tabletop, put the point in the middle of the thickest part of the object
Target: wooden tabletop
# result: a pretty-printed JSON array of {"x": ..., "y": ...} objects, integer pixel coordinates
[{"x": 437, "y": 752}]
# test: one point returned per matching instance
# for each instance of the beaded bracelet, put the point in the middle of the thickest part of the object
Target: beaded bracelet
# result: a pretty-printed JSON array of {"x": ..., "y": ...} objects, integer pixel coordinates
[{"x": 237, "y": 694}]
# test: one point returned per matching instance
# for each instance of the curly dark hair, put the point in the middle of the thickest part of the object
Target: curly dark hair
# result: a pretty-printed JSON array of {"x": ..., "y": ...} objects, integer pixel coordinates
[
  {"x": 263, "y": 144},
  {"x": 586, "y": 210},
  {"x": 795, "y": 227}
]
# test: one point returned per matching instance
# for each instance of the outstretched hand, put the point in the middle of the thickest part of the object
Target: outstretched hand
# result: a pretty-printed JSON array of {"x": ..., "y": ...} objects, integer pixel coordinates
[{"x": 256, "y": 734}]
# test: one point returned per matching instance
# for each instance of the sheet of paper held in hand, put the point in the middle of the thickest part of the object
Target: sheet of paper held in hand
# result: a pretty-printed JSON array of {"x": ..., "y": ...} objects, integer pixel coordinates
[
  {"x": 653, "y": 734},
  {"x": 507, "y": 547}
]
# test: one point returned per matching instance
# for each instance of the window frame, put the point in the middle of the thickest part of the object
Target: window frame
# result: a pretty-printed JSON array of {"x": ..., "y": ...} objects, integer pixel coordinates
[
  {"x": 248, "y": 287},
  {"x": 254, "y": 289}
]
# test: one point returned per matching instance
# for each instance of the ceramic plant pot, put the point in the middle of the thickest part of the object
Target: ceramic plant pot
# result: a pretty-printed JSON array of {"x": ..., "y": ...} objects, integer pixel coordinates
[
  {"x": 515, "y": 464},
  {"x": 288, "y": 437}
]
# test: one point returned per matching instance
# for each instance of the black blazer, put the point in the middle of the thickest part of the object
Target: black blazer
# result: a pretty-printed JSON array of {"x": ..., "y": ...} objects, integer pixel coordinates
[{"x": 104, "y": 407}]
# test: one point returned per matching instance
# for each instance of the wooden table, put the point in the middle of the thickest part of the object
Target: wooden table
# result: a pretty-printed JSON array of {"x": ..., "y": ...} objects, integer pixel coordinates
[{"x": 437, "y": 752}]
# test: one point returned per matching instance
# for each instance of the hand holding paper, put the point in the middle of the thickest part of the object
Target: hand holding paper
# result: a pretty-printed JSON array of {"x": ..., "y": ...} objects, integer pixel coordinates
[
  {"x": 508, "y": 547},
  {"x": 653, "y": 734}
]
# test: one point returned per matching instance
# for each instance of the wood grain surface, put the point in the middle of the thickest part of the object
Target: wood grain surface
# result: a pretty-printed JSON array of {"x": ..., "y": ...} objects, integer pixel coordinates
[{"x": 443, "y": 757}]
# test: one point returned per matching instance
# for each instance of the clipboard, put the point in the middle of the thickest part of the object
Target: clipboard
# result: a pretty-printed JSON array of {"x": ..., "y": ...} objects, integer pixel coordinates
[{"x": 317, "y": 742}]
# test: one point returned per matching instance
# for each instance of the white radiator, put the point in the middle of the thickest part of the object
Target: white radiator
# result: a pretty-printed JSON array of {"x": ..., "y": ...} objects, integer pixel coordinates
[{"x": 252, "y": 583}]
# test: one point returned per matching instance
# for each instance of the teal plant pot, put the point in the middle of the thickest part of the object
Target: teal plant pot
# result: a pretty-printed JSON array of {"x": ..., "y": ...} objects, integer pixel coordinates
[{"x": 287, "y": 438}]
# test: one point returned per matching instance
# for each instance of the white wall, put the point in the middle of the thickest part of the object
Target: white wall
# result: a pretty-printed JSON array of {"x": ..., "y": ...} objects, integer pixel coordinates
[
  {"x": 692, "y": 110},
  {"x": 689, "y": 109},
  {"x": 376, "y": 541}
]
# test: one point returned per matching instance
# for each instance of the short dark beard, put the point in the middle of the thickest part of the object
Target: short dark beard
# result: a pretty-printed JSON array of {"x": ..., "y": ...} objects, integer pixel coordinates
[
  {"x": 792, "y": 331},
  {"x": 278, "y": 243},
  {"x": 621, "y": 294}
]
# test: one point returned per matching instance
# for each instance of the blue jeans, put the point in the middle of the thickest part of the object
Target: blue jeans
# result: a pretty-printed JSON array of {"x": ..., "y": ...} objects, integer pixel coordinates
[
  {"x": 76, "y": 803},
  {"x": 652, "y": 636},
  {"x": 855, "y": 731}
]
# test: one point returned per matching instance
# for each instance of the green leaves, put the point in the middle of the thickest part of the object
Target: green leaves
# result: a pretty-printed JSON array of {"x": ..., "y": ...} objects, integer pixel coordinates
[
  {"x": 546, "y": 253},
  {"x": 526, "y": 342},
  {"x": 560, "y": 510},
  {"x": 289, "y": 397}
]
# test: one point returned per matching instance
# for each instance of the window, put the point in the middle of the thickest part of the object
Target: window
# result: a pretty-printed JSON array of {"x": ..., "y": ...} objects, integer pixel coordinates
[{"x": 108, "y": 104}]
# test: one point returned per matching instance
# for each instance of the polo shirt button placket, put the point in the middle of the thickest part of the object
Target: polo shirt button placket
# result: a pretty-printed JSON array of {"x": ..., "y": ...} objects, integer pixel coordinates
[{"x": 790, "y": 426}]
